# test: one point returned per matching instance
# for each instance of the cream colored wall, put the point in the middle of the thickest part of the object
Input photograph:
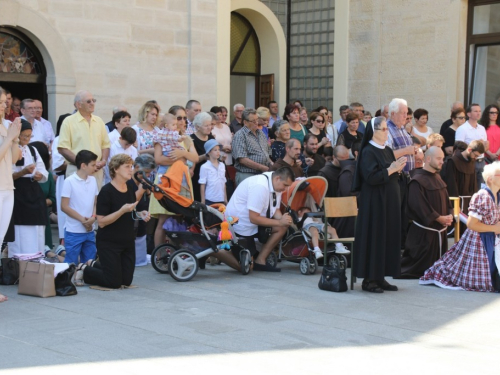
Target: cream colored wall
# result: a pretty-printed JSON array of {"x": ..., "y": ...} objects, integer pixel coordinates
[
  {"x": 124, "y": 51},
  {"x": 413, "y": 49}
]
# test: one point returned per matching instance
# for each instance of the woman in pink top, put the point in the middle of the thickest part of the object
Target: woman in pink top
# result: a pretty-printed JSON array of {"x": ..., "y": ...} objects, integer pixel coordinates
[
  {"x": 9, "y": 154},
  {"x": 489, "y": 119}
]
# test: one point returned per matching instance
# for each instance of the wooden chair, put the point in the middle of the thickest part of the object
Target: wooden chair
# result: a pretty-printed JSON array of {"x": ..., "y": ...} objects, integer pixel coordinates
[{"x": 340, "y": 207}]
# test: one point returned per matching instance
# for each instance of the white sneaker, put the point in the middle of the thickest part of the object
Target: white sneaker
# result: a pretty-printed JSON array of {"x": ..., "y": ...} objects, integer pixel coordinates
[
  {"x": 318, "y": 254},
  {"x": 341, "y": 249}
]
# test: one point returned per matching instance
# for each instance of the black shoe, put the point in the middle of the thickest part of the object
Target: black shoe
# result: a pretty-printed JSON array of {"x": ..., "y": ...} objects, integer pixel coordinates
[
  {"x": 202, "y": 261},
  {"x": 386, "y": 286},
  {"x": 265, "y": 268},
  {"x": 372, "y": 287}
]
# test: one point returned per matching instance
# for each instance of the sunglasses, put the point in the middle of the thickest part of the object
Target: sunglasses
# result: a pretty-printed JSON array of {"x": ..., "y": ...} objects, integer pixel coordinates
[
  {"x": 493, "y": 113},
  {"x": 91, "y": 101},
  {"x": 179, "y": 118},
  {"x": 320, "y": 121},
  {"x": 461, "y": 117}
]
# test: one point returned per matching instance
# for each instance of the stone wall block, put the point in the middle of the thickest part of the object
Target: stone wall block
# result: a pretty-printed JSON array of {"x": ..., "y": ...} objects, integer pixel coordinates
[
  {"x": 148, "y": 34},
  {"x": 153, "y": 4},
  {"x": 70, "y": 9}
]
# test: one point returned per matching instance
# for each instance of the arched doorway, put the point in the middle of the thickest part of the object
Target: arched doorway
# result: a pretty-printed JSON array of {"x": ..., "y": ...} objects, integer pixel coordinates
[
  {"x": 22, "y": 70},
  {"x": 245, "y": 62}
]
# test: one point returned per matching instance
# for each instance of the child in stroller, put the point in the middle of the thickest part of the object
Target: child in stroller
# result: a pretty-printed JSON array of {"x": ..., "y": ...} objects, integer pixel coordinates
[
  {"x": 180, "y": 257},
  {"x": 315, "y": 227}
]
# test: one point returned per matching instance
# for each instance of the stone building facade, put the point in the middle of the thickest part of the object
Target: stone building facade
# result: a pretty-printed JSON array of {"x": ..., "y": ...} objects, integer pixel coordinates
[{"x": 130, "y": 51}]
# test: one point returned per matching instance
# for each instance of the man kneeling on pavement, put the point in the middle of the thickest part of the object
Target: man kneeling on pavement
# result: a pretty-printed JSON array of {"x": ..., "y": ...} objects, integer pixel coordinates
[{"x": 256, "y": 202}]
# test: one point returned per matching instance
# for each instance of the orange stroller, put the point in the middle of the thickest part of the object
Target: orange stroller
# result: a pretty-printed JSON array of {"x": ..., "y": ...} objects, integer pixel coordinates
[{"x": 296, "y": 246}]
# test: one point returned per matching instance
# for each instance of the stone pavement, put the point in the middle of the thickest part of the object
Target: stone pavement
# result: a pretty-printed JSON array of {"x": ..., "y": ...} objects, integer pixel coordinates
[{"x": 262, "y": 323}]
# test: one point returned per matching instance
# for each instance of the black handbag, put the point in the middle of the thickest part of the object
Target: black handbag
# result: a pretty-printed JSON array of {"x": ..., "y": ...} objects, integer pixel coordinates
[
  {"x": 333, "y": 279},
  {"x": 63, "y": 283},
  {"x": 10, "y": 271}
]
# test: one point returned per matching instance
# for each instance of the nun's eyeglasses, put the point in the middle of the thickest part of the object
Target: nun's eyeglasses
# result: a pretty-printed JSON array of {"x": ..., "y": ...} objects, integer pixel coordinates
[{"x": 382, "y": 129}]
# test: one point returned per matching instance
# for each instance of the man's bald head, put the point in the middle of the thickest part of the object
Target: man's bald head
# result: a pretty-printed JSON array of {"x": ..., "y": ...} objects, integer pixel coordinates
[
  {"x": 434, "y": 158},
  {"x": 341, "y": 152},
  {"x": 433, "y": 151}
]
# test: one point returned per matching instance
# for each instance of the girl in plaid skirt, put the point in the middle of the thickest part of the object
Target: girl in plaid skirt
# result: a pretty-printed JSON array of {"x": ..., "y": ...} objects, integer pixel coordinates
[{"x": 470, "y": 263}]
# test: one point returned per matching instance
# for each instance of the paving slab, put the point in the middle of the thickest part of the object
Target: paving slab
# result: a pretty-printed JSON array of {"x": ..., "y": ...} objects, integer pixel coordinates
[{"x": 224, "y": 322}]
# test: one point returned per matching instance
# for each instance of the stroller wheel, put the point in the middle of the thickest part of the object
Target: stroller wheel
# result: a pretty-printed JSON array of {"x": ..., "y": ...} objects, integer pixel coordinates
[
  {"x": 338, "y": 261},
  {"x": 160, "y": 257},
  {"x": 245, "y": 261},
  {"x": 334, "y": 261},
  {"x": 272, "y": 259},
  {"x": 304, "y": 266},
  {"x": 343, "y": 261},
  {"x": 182, "y": 265},
  {"x": 313, "y": 265}
]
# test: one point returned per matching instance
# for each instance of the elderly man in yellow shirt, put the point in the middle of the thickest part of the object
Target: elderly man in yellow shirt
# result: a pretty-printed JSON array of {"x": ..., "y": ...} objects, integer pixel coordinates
[{"x": 84, "y": 131}]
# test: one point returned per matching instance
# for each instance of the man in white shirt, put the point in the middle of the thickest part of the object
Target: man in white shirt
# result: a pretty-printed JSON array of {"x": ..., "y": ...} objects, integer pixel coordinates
[
  {"x": 28, "y": 109},
  {"x": 250, "y": 203},
  {"x": 47, "y": 126},
  {"x": 472, "y": 131}
]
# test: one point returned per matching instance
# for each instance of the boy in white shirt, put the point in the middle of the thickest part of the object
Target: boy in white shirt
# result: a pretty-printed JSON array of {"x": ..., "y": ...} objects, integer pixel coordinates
[
  {"x": 123, "y": 145},
  {"x": 314, "y": 227},
  {"x": 78, "y": 202},
  {"x": 213, "y": 176}
]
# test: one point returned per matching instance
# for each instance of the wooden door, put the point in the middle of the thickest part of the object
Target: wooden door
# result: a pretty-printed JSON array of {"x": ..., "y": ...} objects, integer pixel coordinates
[{"x": 265, "y": 90}]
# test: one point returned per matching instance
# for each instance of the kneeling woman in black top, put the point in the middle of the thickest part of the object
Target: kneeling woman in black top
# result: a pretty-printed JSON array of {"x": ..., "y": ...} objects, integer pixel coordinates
[{"x": 115, "y": 237}]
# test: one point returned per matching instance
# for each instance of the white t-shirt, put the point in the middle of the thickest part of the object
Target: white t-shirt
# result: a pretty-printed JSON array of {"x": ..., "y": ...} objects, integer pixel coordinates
[
  {"x": 49, "y": 131},
  {"x": 57, "y": 158},
  {"x": 113, "y": 136},
  {"x": 81, "y": 194},
  {"x": 256, "y": 194},
  {"x": 38, "y": 133},
  {"x": 423, "y": 134},
  {"x": 115, "y": 149},
  {"x": 214, "y": 180},
  {"x": 467, "y": 133}
]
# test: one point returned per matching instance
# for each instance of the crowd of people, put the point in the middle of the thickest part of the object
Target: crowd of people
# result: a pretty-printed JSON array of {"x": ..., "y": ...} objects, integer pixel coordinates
[{"x": 400, "y": 170}]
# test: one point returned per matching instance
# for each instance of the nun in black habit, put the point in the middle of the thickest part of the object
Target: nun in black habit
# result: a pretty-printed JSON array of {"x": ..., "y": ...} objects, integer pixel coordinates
[{"x": 378, "y": 235}]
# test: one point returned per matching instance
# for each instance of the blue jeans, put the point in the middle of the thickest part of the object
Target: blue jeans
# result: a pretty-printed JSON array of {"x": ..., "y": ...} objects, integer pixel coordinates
[{"x": 79, "y": 245}]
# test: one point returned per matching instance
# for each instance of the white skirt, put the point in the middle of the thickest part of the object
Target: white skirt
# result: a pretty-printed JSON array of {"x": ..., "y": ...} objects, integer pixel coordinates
[
  {"x": 61, "y": 216},
  {"x": 29, "y": 239}
]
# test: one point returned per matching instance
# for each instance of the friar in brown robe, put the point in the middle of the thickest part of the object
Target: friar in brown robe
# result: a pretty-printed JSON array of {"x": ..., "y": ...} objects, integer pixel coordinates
[
  {"x": 430, "y": 210},
  {"x": 459, "y": 172}
]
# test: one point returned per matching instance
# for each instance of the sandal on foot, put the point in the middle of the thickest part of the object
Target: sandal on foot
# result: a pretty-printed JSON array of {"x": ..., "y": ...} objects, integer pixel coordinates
[{"x": 78, "y": 275}]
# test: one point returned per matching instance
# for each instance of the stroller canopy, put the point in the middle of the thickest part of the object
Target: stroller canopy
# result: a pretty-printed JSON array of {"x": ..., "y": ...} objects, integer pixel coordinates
[{"x": 301, "y": 192}]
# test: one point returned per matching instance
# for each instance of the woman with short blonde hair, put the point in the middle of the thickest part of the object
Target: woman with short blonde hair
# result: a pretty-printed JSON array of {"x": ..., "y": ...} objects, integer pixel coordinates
[{"x": 146, "y": 128}]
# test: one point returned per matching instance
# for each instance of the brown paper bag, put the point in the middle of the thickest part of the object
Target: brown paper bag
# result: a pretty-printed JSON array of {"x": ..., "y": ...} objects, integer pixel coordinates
[{"x": 36, "y": 279}]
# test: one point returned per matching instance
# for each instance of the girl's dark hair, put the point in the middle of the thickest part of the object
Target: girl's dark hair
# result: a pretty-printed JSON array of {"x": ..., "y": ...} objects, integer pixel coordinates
[{"x": 485, "y": 116}]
